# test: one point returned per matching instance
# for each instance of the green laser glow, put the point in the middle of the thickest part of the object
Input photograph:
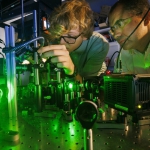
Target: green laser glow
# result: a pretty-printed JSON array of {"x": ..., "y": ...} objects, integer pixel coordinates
[{"x": 70, "y": 85}]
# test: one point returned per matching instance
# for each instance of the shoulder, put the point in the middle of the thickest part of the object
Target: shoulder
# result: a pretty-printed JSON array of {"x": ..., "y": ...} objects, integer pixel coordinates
[
  {"x": 98, "y": 36},
  {"x": 97, "y": 43},
  {"x": 98, "y": 40}
]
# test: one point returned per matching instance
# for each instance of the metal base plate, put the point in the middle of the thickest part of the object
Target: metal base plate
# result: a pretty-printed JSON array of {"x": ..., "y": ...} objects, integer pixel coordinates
[{"x": 56, "y": 133}]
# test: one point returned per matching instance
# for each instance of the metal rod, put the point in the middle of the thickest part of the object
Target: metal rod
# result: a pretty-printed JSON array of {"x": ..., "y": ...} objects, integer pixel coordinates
[
  {"x": 36, "y": 70},
  {"x": 8, "y": 70},
  {"x": 11, "y": 72},
  {"x": 88, "y": 139}
]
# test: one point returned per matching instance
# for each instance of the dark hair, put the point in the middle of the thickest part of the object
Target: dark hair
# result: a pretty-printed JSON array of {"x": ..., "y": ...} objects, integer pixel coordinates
[{"x": 134, "y": 6}]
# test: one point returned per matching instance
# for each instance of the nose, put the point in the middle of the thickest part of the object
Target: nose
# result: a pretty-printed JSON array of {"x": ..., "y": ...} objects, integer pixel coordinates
[
  {"x": 62, "y": 41},
  {"x": 117, "y": 33}
]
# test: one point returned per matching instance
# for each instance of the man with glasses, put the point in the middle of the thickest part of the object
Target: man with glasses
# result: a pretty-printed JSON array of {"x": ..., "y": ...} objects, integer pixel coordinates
[
  {"x": 129, "y": 21},
  {"x": 73, "y": 44}
]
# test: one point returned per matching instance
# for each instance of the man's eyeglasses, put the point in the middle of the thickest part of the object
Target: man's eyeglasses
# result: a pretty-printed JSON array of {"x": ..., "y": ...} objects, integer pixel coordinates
[
  {"x": 121, "y": 23},
  {"x": 69, "y": 39}
]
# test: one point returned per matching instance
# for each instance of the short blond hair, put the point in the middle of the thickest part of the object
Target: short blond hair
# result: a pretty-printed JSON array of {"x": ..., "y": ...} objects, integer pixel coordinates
[{"x": 70, "y": 15}]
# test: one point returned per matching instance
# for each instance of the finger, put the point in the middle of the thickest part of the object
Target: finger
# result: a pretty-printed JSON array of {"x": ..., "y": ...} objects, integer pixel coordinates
[
  {"x": 50, "y": 48},
  {"x": 55, "y": 53},
  {"x": 65, "y": 67},
  {"x": 62, "y": 65},
  {"x": 58, "y": 59},
  {"x": 47, "y": 54}
]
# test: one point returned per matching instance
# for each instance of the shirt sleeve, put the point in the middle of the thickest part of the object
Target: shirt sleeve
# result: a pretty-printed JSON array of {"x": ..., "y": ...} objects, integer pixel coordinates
[{"x": 94, "y": 64}]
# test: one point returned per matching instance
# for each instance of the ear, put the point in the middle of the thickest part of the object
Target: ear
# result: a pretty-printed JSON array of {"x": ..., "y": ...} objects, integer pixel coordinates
[{"x": 147, "y": 19}]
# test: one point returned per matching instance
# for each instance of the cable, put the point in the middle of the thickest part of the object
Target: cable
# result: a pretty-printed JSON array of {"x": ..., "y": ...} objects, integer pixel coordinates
[
  {"x": 2, "y": 55},
  {"x": 111, "y": 58},
  {"x": 7, "y": 50},
  {"x": 130, "y": 36},
  {"x": 1, "y": 41}
]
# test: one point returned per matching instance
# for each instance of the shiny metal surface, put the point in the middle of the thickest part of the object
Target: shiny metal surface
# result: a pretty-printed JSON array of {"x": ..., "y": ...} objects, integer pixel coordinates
[{"x": 55, "y": 133}]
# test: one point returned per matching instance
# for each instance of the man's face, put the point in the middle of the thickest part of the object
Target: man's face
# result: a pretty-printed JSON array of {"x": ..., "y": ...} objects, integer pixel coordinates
[
  {"x": 128, "y": 24},
  {"x": 77, "y": 37}
]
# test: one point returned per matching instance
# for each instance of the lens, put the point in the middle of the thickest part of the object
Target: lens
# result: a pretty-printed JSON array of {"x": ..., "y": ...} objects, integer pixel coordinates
[{"x": 69, "y": 40}]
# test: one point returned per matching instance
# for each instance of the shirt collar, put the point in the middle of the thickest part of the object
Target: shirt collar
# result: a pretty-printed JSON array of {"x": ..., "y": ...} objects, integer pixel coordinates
[{"x": 134, "y": 51}]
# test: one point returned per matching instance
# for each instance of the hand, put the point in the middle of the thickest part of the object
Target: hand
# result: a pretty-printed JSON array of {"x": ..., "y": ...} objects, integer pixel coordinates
[{"x": 59, "y": 55}]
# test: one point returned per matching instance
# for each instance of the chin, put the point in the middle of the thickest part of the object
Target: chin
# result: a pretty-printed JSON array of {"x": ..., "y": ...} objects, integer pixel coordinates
[{"x": 127, "y": 47}]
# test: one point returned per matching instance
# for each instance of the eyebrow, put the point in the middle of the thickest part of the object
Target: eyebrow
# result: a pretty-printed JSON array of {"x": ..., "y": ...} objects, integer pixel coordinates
[
  {"x": 72, "y": 35},
  {"x": 73, "y": 31},
  {"x": 117, "y": 20},
  {"x": 119, "y": 16}
]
